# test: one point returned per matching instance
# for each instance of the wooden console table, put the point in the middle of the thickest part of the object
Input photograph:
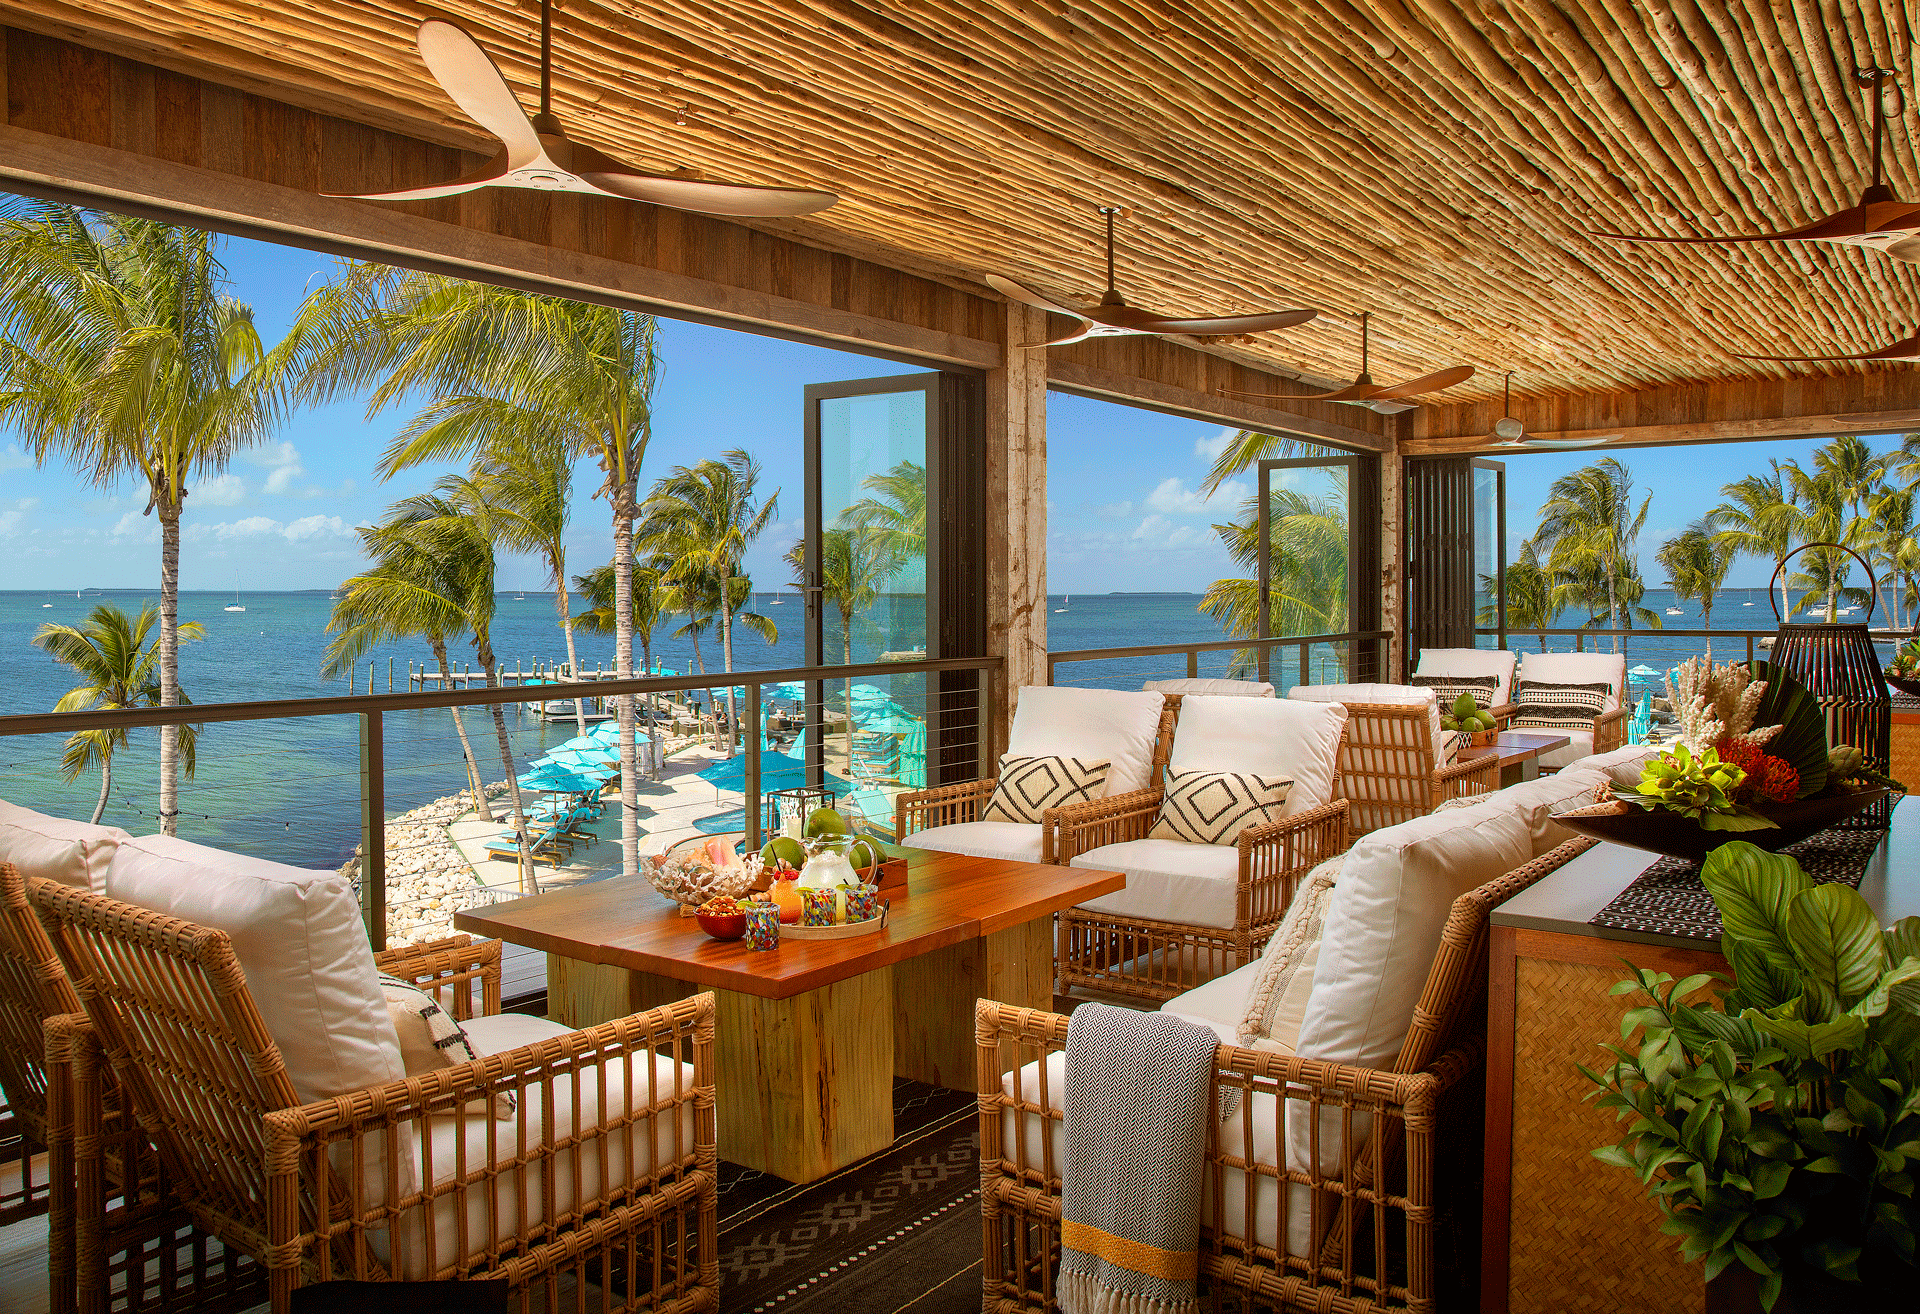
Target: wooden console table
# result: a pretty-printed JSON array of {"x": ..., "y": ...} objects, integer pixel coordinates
[
  {"x": 1562, "y": 1231},
  {"x": 809, "y": 1036}
]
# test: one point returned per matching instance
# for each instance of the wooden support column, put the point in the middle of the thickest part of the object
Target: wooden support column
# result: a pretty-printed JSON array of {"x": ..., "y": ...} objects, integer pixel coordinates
[
  {"x": 1016, "y": 439},
  {"x": 1393, "y": 555}
]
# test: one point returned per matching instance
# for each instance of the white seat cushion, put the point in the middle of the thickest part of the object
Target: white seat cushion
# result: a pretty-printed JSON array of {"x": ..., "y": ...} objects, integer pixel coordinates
[
  {"x": 1576, "y": 668},
  {"x": 1212, "y": 688},
  {"x": 1094, "y": 725},
  {"x": 1264, "y": 737},
  {"x": 620, "y": 1158},
  {"x": 71, "y": 852},
  {"x": 1219, "y": 1003},
  {"x": 981, "y": 839},
  {"x": 1579, "y": 745},
  {"x": 1389, "y": 695},
  {"x": 1168, "y": 881},
  {"x": 1497, "y": 662}
]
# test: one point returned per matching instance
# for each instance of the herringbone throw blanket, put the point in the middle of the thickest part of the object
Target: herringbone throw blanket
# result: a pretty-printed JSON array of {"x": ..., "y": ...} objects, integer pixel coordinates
[{"x": 1136, "y": 1121}]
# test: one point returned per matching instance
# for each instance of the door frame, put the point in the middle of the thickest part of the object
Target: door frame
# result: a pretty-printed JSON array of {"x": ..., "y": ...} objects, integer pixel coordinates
[{"x": 1357, "y": 541}]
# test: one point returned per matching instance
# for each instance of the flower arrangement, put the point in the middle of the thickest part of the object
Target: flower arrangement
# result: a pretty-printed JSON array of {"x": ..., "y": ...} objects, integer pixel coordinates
[{"x": 1903, "y": 672}]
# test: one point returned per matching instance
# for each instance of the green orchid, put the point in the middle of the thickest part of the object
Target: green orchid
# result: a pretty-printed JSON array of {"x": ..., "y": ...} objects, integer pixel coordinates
[{"x": 1699, "y": 786}]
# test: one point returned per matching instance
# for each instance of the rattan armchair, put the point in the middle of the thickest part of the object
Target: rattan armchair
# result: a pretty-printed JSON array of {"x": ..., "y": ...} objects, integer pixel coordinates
[
  {"x": 605, "y": 1173},
  {"x": 1384, "y": 1195},
  {"x": 1389, "y": 770}
]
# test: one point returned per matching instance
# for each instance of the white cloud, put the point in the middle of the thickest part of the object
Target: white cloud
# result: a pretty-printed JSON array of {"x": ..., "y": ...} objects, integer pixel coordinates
[
  {"x": 284, "y": 470},
  {"x": 1115, "y": 510},
  {"x": 134, "y": 525},
  {"x": 15, "y": 459},
  {"x": 303, "y": 530},
  {"x": 1172, "y": 497},
  {"x": 1209, "y": 448},
  {"x": 317, "y": 527},
  {"x": 221, "y": 490},
  {"x": 26, "y": 504},
  {"x": 281, "y": 480},
  {"x": 274, "y": 457}
]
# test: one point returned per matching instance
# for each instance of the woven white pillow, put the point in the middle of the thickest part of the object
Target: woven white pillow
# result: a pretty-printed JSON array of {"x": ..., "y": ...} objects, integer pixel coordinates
[
  {"x": 1213, "y": 807},
  {"x": 1029, "y": 786},
  {"x": 1278, "y": 1000}
]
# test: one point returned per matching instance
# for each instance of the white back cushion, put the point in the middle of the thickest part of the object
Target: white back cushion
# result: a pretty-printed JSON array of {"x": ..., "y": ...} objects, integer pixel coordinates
[
  {"x": 1577, "y": 668},
  {"x": 1537, "y": 801},
  {"x": 1215, "y": 688},
  {"x": 1622, "y": 765},
  {"x": 1395, "y": 890},
  {"x": 1264, "y": 737},
  {"x": 300, "y": 941},
  {"x": 1390, "y": 695},
  {"x": 1471, "y": 661},
  {"x": 1090, "y": 724},
  {"x": 71, "y": 852}
]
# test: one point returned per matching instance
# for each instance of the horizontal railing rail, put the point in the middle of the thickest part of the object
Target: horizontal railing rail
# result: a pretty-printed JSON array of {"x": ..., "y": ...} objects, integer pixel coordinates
[
  {"x": 1303, "y": 643},
  {"x": 1580, "y": 635},
  {"x": 950, "y": 708}
]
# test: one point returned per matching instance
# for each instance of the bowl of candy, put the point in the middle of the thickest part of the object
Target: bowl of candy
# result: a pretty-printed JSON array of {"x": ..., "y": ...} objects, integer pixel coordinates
[{"x": 723, "y": 917}]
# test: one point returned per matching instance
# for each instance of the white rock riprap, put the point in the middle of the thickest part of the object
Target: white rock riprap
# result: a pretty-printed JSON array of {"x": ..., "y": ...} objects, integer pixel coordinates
[{"x": 428, "y": 879}]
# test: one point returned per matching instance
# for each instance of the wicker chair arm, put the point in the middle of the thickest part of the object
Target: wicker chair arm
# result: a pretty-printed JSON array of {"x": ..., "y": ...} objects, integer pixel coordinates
[
  {"x": 1299, "y": 823},
  {"x": 1610, "y": 729},
  {"x": 1081, "y": 827},
  {"x": 1503, "y": 714},
  {"x": 444, "y": 966},
  {"x": 961, "y": 801},
  {"x": 1480, "y": 775}
]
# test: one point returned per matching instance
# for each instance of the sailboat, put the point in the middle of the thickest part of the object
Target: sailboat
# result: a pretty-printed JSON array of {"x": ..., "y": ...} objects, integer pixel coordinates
[
  {"x": 1066, "y": 600},
  {"x": 49, "y": 601},
  {"x": 1749, "y": 601},
  {"x": 236, "y": 595}
]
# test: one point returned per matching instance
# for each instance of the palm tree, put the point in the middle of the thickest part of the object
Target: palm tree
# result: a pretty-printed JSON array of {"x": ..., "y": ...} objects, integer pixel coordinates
[
  {"x": 1588, "y": 528},
  {"x": 402, "y": 597},
  {"x": 1249, "y": 447},
  {"x": 1529, "y": 596},
  {"x": 121, "y": 353},
  {"x": 506, "y": 369},
  {"x": 854, "y": 563},
  {"x": 1697, "y": 560},
  {"x": 1892, "y": 547},
  {"x": 521, "y": 494},
  {"x": 1821, "y": 498},
  {"x": 701, "y": 520},
  {"x": 647, "y": 611},
  {"x": 1759, "y": 518},
  {"x": 117, "y": 665},
  {"x": 1307, "y": 574},
  {"x": 895, "y": 515}
]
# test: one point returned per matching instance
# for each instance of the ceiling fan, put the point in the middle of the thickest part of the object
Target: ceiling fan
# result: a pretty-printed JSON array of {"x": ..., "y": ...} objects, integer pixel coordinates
[
  {"x": 1113, "y": 317},
  {"x": 1880, "y": 222},
  {"x": 1512, "y": 433},
  {"x": 537, "y": 154},
  {"x": 1905, "y": 349},
  {"x": 1363, "y": 391}
]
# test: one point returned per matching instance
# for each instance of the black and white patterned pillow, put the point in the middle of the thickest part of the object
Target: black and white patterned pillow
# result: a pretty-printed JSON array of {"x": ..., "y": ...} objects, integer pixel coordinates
[
  {"x": 1213, "y": 807},
  {"x": 1448, "y": 688},
  {"x": 1546, "y": 706},
  {"x": 1030, "y": 786}
]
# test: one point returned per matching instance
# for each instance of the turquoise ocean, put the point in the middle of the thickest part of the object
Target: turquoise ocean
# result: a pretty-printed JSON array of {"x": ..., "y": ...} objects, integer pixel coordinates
[{"x": 289, "y": 790}]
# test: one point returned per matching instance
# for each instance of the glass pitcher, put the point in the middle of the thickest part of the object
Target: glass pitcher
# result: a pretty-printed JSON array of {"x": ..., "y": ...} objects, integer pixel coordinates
[{"x": 827, "y": 862}]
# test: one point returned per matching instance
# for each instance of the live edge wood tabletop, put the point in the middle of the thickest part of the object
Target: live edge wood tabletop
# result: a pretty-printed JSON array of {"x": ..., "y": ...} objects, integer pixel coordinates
[
  {"x": 1562, "y": 1231},
  {"x": 809, "y": 1036}
]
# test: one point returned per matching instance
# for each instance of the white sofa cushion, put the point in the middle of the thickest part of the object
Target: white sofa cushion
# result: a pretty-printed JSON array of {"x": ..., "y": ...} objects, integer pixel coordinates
[
  {"x": 1264, "y": 737},
  {"x": 1395, "y": 890},
  {"x": 1579, "y": 745},
  {"x": 1168, "y": 881},
  {"x": 1277, "y": 1002},
  {"x": 628, "y": 1156},
  {"x": 1536, "y": 801},
  {"x": 1622, "y": 765},
  {"x": 300, "y": 941},
  {"x": 1389, "y": 695},
  {"x": 1212, "y": 688},
  {"x": 1094, "y": 725},
  {"x": 981, "y": 839},
  {"x": 71, "y": 852},
  {"x": 1497, "y": 662},
  {"x": 1218, "y": 1003}
]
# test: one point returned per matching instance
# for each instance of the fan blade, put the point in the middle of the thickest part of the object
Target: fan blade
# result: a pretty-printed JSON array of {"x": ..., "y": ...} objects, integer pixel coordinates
[
  {"x": 492, "y": 170},
  {"x": 1433, "y": 382},
  {"x": 469, "y": 76},
  {"x": 1851, "y": 222},
  {"x": 1086, "y": 328},
  {"x": 1905, "y": 349},
  {"x": 1026, "y": 296},
  {"x": 1907, "y": 248},
  {"x": 709, "y": 197},
  {"x": 1278, "y": 319}
]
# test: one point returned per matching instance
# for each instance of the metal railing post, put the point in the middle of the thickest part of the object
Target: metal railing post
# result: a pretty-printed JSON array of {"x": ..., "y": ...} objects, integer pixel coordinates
[
  {"x": 373, "y": 829},
  {"x": 753, "y": 767}
]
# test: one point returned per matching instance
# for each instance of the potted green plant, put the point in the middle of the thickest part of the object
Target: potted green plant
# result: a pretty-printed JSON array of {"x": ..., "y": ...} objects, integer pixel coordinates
[{"x": 1777, "y": 1124}]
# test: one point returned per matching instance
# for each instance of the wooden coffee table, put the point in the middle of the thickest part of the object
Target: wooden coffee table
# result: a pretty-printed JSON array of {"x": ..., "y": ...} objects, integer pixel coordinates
[
  {"x": 1519, "y": 753},
  {"x": 809, "y": 1036}
]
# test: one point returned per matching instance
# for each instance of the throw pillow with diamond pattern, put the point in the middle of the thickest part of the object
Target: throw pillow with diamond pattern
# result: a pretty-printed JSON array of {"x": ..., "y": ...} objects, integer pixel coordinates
[
  {"x": 1213, "y": 807},
  {"x": 1030, "y": 786}
]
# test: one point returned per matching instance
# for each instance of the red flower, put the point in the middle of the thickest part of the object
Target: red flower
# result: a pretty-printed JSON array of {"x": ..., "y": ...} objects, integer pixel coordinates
[
  {"x": 1778, "y": 782},
  {"x": 1743, "y": 753}
]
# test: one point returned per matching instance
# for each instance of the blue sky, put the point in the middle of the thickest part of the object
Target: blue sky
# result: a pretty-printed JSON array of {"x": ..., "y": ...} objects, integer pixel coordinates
[{"x": 1125, "y": 511}]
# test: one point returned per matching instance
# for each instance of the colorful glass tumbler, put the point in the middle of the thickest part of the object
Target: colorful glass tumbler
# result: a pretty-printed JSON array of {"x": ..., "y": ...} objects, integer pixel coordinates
[
  {"x": 763, "y": 926},
  {"x": 819, "y": 907},
  {"x": 863, "y": 903}
]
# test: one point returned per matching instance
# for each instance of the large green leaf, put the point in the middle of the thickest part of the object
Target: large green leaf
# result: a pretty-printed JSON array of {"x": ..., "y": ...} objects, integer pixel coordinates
[
  {"x": 1802, "y": 740},
  {"x": 1836, "y": 937},
  {"x": 1753, "y": 890},
  {"x": 1763, "y": 980},
  {"x": 1903, "y": 939}
]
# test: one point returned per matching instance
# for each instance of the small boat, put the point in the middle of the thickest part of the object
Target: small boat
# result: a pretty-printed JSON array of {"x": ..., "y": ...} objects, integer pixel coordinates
[
  {"x": 1675, "y": 611},
  {"x": 1066, "y": 600},
  {"x": 49, "y": 601},
  {"x": 235, "y": 606}
]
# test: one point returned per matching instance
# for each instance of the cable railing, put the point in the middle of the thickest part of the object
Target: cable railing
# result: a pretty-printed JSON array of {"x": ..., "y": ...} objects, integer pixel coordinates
[
  {"x": 1284, "y": 661},
  {"x": 860, "y": 734},
  {"x": 1656, "y": 643}
]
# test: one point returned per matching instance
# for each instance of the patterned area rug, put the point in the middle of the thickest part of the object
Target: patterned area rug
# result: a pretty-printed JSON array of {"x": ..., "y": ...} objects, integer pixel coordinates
[
  {"x": 898, "y": 1231},
  {"x": 1668, "y": 898}
]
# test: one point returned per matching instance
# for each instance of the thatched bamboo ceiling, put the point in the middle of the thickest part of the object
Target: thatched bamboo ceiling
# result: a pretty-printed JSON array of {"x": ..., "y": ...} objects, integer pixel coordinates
[{"x": 1436, "y": 161}]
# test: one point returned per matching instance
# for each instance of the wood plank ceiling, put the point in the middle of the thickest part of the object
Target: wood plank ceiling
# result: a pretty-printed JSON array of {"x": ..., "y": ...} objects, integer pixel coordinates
[{"x": 1438, "y": 162}]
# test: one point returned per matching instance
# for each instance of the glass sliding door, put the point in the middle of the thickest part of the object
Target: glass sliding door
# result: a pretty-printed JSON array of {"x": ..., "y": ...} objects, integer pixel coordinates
[
  {"x": 1306, "y": 543},
  {"x": 1490, "y": 553},
  {"x": 872, "y": 582}
]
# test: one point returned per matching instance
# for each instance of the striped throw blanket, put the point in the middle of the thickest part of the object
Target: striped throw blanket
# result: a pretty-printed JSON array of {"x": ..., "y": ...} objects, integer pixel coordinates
[{"x": 1136, "y": 1110}]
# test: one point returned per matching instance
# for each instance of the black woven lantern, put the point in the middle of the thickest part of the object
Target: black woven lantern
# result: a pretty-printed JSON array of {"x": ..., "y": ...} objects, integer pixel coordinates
[{"x": 1838, "y": 665}]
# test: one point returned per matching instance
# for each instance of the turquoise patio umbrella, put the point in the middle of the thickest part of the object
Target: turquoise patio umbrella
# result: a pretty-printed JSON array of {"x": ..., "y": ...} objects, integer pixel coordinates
[
  {"x": 558, "y": 780},
  {"x": 913, "y": 757},
  {"x": 893, "y": 723},
  {"x": 583, "y": 763}
]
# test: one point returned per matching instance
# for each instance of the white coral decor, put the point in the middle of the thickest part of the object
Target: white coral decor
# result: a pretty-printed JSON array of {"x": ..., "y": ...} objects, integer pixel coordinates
[
  {"x": 690, "y": 882},
  {"x": 1715, "y": 703}
]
